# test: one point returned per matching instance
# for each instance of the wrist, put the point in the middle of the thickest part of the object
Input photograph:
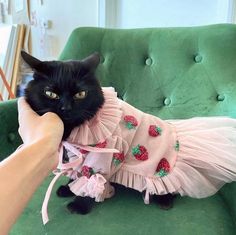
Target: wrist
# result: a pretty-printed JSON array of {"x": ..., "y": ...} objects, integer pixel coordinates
[
  {"x": 44, "y": 154},
  {"x": 45, "y": 145}
]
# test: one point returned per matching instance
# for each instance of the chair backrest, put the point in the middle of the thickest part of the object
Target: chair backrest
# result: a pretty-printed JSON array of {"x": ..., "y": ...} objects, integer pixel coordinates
[{"x": 169, "y": 72}]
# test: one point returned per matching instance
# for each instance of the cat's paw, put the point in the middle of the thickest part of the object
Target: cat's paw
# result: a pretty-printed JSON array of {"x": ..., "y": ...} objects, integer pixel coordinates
[
  {"x": 81, "y": 205},
  {"x": 64, "y": 191},
  {"x": 165, "y": 202}
]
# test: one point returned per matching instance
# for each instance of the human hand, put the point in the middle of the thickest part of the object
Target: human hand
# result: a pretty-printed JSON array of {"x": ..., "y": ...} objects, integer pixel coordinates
[{"x": 32, "y": 127}]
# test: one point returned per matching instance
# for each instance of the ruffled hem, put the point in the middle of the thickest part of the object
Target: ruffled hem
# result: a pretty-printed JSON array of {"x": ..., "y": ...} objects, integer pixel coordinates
[
  {"x": 103, "y": 125},
  {"x": 206, "y": 161},
  {"x": 152, "y": 185}
]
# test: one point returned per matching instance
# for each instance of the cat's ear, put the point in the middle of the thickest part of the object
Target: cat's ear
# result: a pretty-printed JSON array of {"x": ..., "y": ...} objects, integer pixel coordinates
[
  {"x": 91, "y": 62},
  {"x": 33, "y": 62}
]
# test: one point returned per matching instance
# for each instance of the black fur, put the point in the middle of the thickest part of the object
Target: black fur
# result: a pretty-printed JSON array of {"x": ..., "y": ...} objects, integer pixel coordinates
[
  {"x": 165, "y": 201},
  {"x": 81, "y": 205}
]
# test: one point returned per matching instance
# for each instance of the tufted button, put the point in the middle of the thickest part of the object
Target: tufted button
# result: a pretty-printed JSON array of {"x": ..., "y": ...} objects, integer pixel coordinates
[
  {"x": 198, "y": 58},
  {"x": 11, "y": 137},
  {"x": 167, "y": 101},
  {"x": 148, "y": 61},
  {"x": 220, "y": 97}
]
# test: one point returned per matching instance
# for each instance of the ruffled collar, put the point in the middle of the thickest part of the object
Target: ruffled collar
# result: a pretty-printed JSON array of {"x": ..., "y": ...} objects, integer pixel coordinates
[{"x": 102, "y": 126}]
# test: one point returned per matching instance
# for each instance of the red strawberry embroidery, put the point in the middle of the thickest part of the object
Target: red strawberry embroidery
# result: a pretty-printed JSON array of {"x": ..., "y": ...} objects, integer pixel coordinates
[
  {"x": 130, "y": 122},
  {"x": 101, "y": 144},
  {"x": 98, "y": 145},
  {"x": 154, "y": 130},
  {"x": 140, "y": 152},
  {"x": 87, "y": 171},
  {"x": 163, "y": 168},
  {"x": 83, "y": 151},
  {"x": 118, "y": 158}
]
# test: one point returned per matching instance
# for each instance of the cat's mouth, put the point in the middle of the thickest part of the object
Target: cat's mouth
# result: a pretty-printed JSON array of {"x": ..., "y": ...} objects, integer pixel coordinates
[{"x": 66, "y": 117}]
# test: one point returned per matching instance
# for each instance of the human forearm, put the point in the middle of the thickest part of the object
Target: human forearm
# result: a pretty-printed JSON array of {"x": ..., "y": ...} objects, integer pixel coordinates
[
  {"x": 23, "y": 171},
  {"x": 20, "y": 175}
]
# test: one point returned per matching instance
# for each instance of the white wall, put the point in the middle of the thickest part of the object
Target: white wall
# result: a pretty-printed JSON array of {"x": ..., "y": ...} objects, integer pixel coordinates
[
  {"x": 64, "y": 16},
  {"x": 67, "y": 15},
  {"x": 169, "y": 13}
]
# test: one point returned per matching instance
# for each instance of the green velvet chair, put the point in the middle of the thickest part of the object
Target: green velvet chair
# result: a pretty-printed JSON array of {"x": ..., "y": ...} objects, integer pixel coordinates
[{"x": 169, "y": 72}]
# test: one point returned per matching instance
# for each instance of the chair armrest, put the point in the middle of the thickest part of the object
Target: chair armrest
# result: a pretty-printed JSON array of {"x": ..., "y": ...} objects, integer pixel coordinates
[{"x": 9, "y": 137}]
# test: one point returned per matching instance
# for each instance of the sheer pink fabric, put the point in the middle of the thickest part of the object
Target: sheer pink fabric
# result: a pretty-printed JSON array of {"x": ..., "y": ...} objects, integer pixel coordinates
[{"x": 207, "y": 156}]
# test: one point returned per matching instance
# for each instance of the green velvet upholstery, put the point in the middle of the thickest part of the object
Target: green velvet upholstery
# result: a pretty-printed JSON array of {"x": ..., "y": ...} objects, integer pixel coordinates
[
  {"x": 9, "y": 138},
  {"x": 169, "y": 72}
]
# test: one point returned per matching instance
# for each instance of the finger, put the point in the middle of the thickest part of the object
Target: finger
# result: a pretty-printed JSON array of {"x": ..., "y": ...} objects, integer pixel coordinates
[
  {"x": 22, "y": 104},
  {"x": 53, "y": 118}
]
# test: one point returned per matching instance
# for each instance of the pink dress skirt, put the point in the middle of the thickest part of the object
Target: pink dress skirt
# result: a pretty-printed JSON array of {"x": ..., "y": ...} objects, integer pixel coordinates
[{"x": 207, "y": 155}]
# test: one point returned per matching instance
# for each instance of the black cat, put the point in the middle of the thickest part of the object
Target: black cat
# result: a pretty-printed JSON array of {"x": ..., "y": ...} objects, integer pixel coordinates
[{"x": 70, "y": 89}]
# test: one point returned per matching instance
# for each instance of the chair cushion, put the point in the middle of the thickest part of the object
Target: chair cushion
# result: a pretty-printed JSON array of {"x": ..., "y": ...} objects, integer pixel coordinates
[{"x": 126, "y": 213}]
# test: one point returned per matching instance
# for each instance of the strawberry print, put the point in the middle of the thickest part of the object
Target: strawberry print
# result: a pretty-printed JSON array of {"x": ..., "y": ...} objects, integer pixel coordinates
[
  {"x": 98, "y": 145},
  {"x": 154, "y": 130},
  {"x": 163, "y": 168},
  {"x": 101, "y": 144},
  {"x": 83, "y": 151},
  {"x": 87, "y": 171},
  {"x": 130, "y": 122},
  {"x": 140, "y": 152},
  {"x": 118, "y": 158}
]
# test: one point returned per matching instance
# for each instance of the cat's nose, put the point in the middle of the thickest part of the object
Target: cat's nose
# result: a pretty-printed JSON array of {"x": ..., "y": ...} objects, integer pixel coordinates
[{"x": 66, "y": 107}]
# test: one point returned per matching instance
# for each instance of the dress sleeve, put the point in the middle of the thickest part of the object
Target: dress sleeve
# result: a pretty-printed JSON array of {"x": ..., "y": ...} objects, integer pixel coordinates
[{"x": 96, "y": 187}]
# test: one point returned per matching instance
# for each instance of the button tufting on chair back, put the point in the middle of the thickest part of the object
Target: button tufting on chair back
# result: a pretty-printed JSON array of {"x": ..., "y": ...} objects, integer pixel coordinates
[{"x": 169, "y": 72}]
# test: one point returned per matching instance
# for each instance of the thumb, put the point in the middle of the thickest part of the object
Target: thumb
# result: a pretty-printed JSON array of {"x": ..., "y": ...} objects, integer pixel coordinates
[{"x": 25, "y": 113}]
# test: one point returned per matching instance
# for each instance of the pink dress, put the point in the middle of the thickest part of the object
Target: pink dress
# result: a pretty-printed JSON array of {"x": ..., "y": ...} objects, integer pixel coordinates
[{"x": 121, "y": 144}]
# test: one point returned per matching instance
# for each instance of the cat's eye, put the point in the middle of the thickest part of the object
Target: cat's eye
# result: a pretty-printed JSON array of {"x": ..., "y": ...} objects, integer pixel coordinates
[
  {"x": 80, "y": 95},
  {"x": 51, "y": 95}
]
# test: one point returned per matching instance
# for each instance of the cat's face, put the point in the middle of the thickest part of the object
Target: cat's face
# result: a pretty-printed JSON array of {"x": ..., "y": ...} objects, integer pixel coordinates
[{"x": 69, "y": 89}]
